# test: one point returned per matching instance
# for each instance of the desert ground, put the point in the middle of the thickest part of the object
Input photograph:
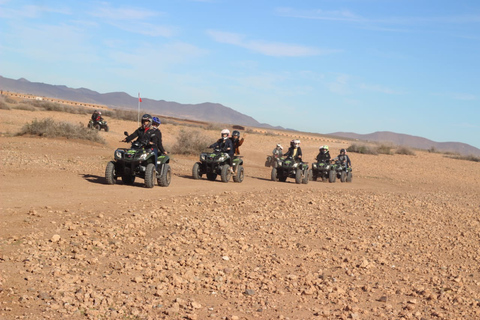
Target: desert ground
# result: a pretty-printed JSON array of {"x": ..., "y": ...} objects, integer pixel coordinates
[{"x": 399, "y": 242}]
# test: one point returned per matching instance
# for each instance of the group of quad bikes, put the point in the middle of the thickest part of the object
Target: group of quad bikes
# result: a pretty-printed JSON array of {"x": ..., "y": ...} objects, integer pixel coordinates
[
  {"x": 138, "y": 161},
  {"x": 283, "y": 168}
]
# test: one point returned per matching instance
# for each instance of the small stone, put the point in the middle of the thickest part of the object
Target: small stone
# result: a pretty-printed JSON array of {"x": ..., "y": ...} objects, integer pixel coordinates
[
  {"x": 249, "y": 292},
  {"x": 226, "y": 258},
  {"x": 55, "y": 238}
]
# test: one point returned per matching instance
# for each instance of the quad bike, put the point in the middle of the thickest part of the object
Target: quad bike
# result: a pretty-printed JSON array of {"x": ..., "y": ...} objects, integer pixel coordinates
[
  {"x": 272, "y": 160},
  {"x": 98, "y": 125},
  {"x": 139, "y": 161},
  {"x": 289, "y": 168},
  {"x": 320, "y": 170},
  {"x": 218, "y": 163},
  {"x": 340, "y": 171}
]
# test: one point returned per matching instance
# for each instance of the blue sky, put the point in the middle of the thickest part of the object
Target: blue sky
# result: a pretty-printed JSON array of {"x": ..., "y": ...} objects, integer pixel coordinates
[{"x": 407, "y": 66}]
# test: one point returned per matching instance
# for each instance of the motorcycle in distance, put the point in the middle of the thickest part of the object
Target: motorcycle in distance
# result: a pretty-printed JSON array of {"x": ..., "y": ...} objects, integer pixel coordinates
[
  {"x": 98, "y": 125},
  {"x": 289, "y": 168},
  {"x": 139, "y": 161},
  {"x": 320, "y": 170},
  {"x": 340, "y": 171},
  {"x": 217, "y": 163}
]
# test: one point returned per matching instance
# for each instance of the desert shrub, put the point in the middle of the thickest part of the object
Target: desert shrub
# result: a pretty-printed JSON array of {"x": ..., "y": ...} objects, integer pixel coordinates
[
  {"x": 190, "y": 142},
  {"x": 363, "y": 149},
  {"x": 468, "y": 158},
  {"x": 53, "y": 129},
  {"x": 3, "y": 104},
  {"x": 25, "y": 106},
  {"x": 270, "y": 133},
  {"x": 384, "y": 149},
  {"x": 405, "y": 150},
  {"x": 214, "y": 126},
  {"x": 432, "y": 150}
]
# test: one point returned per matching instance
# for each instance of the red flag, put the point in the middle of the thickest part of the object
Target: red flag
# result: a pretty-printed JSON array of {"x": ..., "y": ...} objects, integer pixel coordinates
[{"x": 139, "y": 99}]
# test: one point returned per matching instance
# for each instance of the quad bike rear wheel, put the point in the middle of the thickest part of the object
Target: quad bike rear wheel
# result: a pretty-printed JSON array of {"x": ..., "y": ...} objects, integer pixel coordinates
[{"x": 106, "y": 129}]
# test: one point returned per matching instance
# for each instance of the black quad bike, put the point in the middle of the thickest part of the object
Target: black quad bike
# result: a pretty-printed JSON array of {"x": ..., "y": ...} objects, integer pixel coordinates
[
  {"x": 139, "y": 161},
  {"x": 320, "y": 170},
  {"x": 340, "y": 171},
  {"x": 98, "y": 125},
  {"x": 271, "y": 160},
  {"x": 217, "y": 163},
  {"x": 289, "y": 168}
]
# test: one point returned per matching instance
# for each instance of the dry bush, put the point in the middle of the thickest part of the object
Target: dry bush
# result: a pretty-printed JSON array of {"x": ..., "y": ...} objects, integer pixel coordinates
[
  {"x": 191, "y": 142},
  {"x": 363, "y": 149},
  {"x": 405, "y": 150},
  {"x": 384, "y": 149},
  {"x": 467, "y": 158},
  {"x": 214, "y": 126},
  {"x": 53, "y": 129},
  {"x": 3, "y": 104},
  {"x": 25, "y": 106},
  {"x": 270, "y": 133}
]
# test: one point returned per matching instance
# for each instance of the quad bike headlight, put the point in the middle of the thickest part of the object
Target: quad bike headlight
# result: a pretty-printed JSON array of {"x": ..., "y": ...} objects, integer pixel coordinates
[
  {"x": 221, "y": 159},
  {"x": 143, "y": 156},
  {"x": 118, "y": 154},
  {"x": 203, "y": 156}
]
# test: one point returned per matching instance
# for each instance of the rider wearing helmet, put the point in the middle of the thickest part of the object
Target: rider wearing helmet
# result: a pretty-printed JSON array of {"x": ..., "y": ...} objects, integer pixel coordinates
[
  {"x": 96, "y": 116},
  {"x": 294, "y": 151},
  {"x": 148, "y": 135},
  {"x": 224, "y": 144},
  {"x": 344, "y": 158},
  {"x": 236, "y": 141},
  {"x": 278, "y": 150},
  {"x": 323, "y": 155},
  {"x": 157, "y": 135}
]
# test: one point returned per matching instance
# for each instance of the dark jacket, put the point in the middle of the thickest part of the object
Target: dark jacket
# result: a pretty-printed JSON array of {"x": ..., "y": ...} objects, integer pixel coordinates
[
  {"x": 236, "y": 144},
  {"x": 224, "y": 145},
  {"x": 323, "y": 157},
  {"x": 156, "y": 139},
  {"x": 344, "y": 159},
  {"x": 298, "y": 155},
  {"x": 143, "y": 135}
]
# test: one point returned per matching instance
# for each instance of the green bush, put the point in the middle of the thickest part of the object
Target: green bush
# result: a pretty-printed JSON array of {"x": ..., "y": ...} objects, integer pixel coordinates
[
  {"x": 53, "y": 129},
  {"x": 363, "y": 149},
  {"x": 191, "y": 142},
  {"x": 405, "y": 150}
]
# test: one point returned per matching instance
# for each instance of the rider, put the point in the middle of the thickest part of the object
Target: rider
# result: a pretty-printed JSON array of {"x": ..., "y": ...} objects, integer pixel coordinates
[
  {"x": 147, "y": 136},
  {"x": 225, "y": 144},
  {"x": 294, "y": 151},
  {"x": 236, "y": 141},
  {"x": 157, "y": 135},
  {"x": 96, "y": 116},
  {"x": 344, "y": 158},
  {"x": 278, "y": 150},
  {"x": 324, "y": 154}
]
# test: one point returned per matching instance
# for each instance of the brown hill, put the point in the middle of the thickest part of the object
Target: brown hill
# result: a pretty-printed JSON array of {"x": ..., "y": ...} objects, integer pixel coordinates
[{"x": 411, "y": 141}]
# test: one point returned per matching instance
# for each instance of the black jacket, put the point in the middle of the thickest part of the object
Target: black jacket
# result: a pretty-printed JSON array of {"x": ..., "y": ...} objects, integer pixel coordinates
[
  {"x": 298, "y": 156},
  {"x": 224, "y": 145},
  {"x": 323, "y": 157},
  {"x": 150, "y": 137}
]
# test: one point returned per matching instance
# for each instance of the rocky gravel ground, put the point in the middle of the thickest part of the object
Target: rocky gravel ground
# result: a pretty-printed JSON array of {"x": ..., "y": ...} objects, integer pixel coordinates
[{"x": 400, "y": 242}]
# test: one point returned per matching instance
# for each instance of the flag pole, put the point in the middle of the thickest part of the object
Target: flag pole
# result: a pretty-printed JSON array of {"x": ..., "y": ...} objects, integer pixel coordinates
[{"x": 138, "y": 110}]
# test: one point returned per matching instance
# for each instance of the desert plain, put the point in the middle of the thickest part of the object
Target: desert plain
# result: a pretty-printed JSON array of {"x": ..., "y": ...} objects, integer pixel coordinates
[{"x": 400, "y": 242}]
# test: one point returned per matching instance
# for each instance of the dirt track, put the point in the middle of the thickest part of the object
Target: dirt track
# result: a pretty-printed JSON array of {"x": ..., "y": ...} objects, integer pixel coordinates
[{"x": 401, "y": 241}]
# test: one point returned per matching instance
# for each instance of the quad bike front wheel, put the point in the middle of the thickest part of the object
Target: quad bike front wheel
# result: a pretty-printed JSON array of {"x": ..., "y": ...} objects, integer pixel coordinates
[
  {"x": 343, "y": 176},
  {"x": 226, "y": 173},
  {"x": 239, "y": 174},
  {"x": 332, "y": 176},
  {"x": 306, "y": 176},
  {"x": 349, "y": 177},
  {"x": 166, "y": 177},
  {"x": 298, "y": 176},
  {"x": 97, "y": 127},
  {"x": 106, "y": 128},
  {"x": 196, "y": 171},
  {"x": 273, "y": 175},
  {"x": 150, "y": 175},
  {"x": 110, "y": 174}
]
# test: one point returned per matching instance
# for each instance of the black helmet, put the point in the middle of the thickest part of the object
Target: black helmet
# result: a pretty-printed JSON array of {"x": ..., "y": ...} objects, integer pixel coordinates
[
  {"x": 236, "y": 133},
  {"x": 147, "y": 117},
  {"x": 343, "y": 151}
]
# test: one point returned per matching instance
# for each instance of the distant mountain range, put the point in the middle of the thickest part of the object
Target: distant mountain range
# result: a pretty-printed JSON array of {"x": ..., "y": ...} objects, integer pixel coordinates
[
  {"x": 209, "y": 112},
  {"x": 411, "y": 141}
]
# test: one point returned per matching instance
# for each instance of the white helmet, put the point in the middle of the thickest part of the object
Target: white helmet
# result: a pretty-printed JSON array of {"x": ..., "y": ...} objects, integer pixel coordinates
[
  {"x": 279, "y": 146},
  {"x": 227, "y": 132},
  {"x": 296, "y": 142}
]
